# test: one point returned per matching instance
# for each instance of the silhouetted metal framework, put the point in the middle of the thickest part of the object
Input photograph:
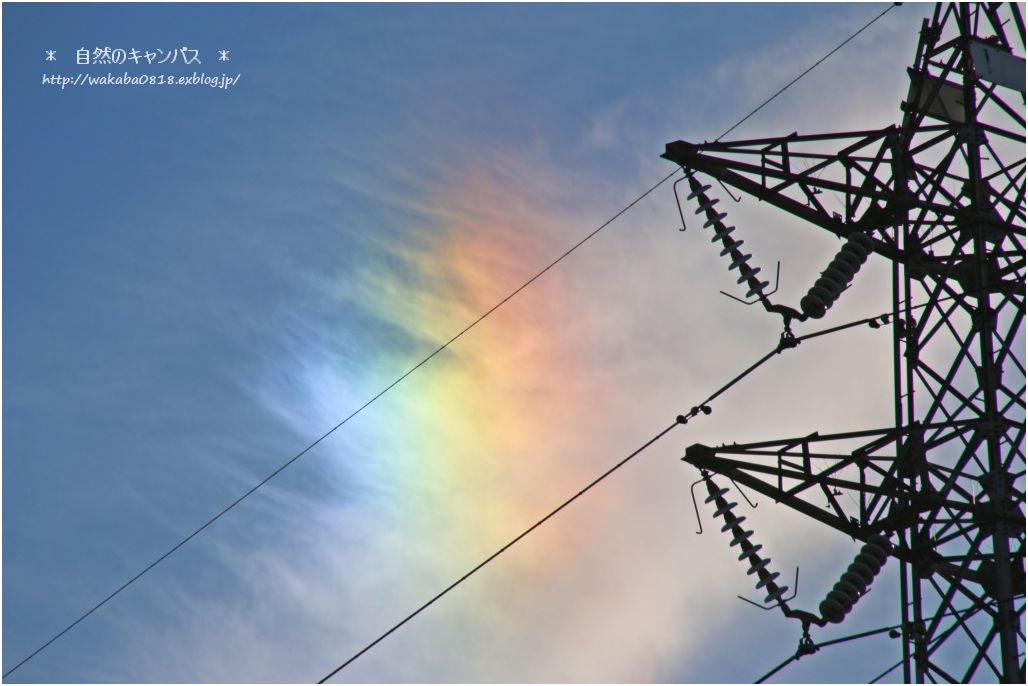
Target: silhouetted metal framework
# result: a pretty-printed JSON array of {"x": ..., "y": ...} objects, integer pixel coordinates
[{"x": 942, "y": 195}]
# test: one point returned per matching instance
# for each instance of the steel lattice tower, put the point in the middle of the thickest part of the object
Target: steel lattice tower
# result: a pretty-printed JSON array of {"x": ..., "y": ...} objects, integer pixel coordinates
[{"x": 942, "y": 196}]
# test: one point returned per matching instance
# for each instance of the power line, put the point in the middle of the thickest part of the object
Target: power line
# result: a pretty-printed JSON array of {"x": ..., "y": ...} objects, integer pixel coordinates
[
  {"x": 853, "y": 637},
  {"x": 785, "y": 344},
  {"x": 353, "y": 414},
  {"x": 809, "y": 69},
  {"x": 939, "y": 638},
  {"x": 834, "y": 641},
  {"x": 682, "y": 419},
  {"x": 499, "y": 552},
  {"x": 780, "y": 667},
  {"x": 865, "y": 634}
]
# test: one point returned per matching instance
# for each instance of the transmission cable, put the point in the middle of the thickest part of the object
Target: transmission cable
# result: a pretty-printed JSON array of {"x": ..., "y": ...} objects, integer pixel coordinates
[
  {"x": 834, "y": 641},
  {"x": 808, "y": 70},
  {"x": 967, "y": 611},
  {"x": 353, "y": 414},
  {"x": 786, "y": 343},
  {"x": 853, "y": 637},
  {"x": 873, "y": 632},
  {"x": 681, "y": 419},
  {"x": 499, "y": 552}
]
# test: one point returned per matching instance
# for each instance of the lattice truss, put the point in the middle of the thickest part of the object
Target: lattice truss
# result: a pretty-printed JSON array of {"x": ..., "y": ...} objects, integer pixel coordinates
[{"x": 941, "y": 195}]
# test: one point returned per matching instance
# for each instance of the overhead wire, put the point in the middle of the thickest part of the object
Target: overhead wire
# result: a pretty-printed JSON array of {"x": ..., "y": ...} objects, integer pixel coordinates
[
  {"x": 807, "y": 71},
  {"x": 681, "y": 419},
  {"x": 873, "y": 632},
  {"x": 817, "y": 646},
  {"x": 421, "y": 363},
  {"x": 353, "y": 414},
  {"x": 500, "y": 551},
  {"x": 940, "y": 637},
  {"x": 696, "y": 410},
  {"x": 795, "y": 656},
  {"x": 885, "y": 673},
  {"x": 825, "y": 644},
  {"x": 815, "y": 334}
]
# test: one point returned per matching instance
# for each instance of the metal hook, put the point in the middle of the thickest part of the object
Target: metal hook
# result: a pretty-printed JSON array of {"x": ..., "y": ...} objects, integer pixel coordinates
[
  {"x": 729, "y": 192},
  {"x": 696, "y": 507},
  {"x": 678, "y": 200},
  {"x": 756, "y": 605},
  {"x": 795, "y": 586},
  {"x": 743, "y": 494},
  {"x": 766, "y": 608},
  {"x": 778, "y": 273}
]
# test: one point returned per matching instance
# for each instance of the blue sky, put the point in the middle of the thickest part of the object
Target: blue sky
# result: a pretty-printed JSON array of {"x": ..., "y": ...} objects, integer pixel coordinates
[{"x": 183, "y": 280}]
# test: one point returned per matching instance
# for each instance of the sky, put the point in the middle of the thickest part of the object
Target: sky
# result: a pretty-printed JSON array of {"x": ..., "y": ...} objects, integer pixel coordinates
[{"x": 198, "y": 282}]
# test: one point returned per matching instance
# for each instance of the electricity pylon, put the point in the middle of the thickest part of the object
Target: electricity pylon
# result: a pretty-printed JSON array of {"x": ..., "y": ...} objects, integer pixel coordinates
[{"x": 942, "y": 196}]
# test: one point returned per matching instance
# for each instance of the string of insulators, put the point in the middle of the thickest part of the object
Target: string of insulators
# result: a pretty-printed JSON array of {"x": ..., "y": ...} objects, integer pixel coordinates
[
  {"x": 856, "y": 579},
  {"x": 740, "y": 261},
  {"x": 836, "y": 277},
  {"x": 748, "y": 551}
]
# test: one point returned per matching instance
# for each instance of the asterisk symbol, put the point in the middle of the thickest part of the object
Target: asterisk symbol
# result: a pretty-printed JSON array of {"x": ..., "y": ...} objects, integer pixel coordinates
[
  {"x": 223, "y": 55},
  {"x": 51, "y": 55}
]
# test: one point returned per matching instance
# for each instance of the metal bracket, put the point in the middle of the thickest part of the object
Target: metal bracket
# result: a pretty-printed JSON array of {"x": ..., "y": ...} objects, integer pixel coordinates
[
  {"x": 692, "y": 491},
  {"x": 743, "y": 494},
  {"x": 678, "y": 201},
  {"x": 778, "y": 272},
  {"x": 728, "y": 191},
  {"x": 772, "y": 606}
]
